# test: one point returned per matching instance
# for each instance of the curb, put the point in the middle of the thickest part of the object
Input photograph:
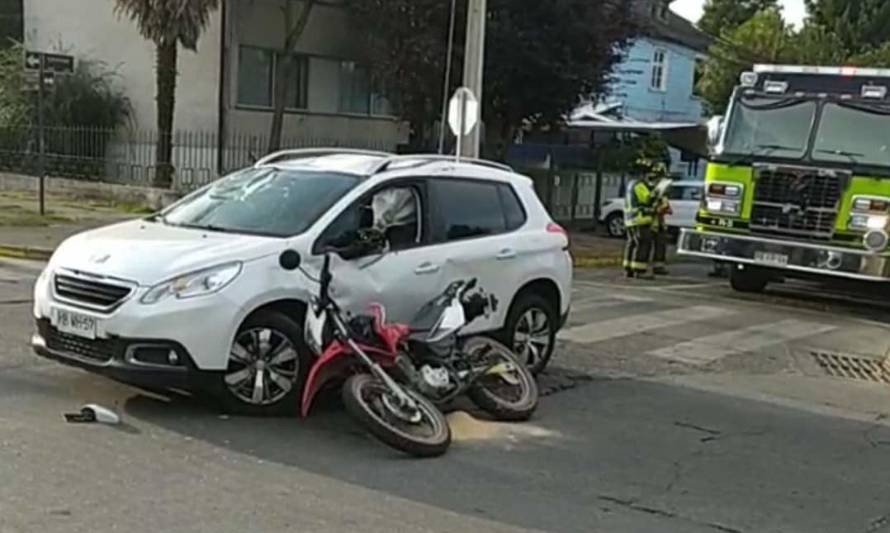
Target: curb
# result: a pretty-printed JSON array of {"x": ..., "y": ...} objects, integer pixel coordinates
[
  {"x": 598, "y": 262},
  {"x": 25, "y": 252}
]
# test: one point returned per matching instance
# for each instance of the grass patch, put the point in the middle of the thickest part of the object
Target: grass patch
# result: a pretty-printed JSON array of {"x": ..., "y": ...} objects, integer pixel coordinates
[{"x": 31, "y": 219}]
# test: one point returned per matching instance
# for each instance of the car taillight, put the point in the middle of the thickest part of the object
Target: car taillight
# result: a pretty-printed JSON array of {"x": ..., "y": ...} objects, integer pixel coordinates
[{"x": 553, "y": 227}]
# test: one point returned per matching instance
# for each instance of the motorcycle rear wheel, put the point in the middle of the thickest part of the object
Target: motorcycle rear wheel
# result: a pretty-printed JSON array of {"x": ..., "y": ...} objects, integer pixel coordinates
[
  {"x": 370, "y": 402},
  {"x": 512, "y": 397}
]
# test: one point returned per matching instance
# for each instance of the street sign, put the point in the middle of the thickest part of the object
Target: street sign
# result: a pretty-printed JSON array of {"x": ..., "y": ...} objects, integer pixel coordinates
[
  {"x": 463, "y": 112},
  {"x": 59, "y": 63},
  {"x": 32, "y": 60}
]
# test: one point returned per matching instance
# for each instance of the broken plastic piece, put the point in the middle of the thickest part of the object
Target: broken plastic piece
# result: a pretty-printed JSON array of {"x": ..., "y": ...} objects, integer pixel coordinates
[{"x": 93, "y": 413}]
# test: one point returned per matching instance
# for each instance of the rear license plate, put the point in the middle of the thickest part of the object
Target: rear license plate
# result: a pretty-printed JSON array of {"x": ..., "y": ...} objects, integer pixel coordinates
[
  {"x": 74, "y": 323},
  {"x": 771, "y": 259}
]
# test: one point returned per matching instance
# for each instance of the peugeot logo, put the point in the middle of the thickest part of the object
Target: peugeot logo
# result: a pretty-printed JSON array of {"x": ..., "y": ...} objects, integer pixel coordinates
[{"x": 100, "y": 259}]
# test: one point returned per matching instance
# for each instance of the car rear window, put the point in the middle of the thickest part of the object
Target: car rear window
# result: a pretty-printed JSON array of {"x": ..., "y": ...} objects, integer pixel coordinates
[
  {"x": 514, "y": 214},
  {"x": 467, "y": 209}
]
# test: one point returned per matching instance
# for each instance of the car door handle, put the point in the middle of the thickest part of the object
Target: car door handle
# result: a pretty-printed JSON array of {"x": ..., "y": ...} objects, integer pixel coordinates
[
  {"x": 426, "y": 268},
  {"x": 506, "y": 253}
]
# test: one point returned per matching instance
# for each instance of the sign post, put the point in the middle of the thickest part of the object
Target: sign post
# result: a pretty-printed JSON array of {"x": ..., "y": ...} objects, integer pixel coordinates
[
  {"x": 463, "y": 114},
  {"x": 47, "y": 66}
]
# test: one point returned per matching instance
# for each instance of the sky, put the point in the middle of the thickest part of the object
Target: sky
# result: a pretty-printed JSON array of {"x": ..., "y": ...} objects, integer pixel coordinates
[{"x": 691, "y": 9}]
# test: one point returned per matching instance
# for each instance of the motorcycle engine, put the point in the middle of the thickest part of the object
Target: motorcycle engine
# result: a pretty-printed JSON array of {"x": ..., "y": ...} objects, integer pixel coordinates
[{"x": 436, "y": 378}]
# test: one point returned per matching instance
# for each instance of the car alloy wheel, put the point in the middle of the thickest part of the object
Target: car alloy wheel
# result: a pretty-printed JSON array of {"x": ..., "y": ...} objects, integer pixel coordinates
[
  {"x": 532, "y": 336},
  {"x": 263, "y": 366},
  {"x": 616, "y": 226}
]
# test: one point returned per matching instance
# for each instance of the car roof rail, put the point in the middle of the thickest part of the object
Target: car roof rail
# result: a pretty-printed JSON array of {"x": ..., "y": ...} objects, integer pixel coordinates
[
  {"x": 305, "y": 153},
  {"x": 426, "y": 159}
]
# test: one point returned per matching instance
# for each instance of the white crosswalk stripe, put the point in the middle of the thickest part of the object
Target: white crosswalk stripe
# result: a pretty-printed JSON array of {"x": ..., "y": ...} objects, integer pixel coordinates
[
  {"x": 605, "y": 301},
  {"x": 708, "y": 349},
  {"x": 630, "y": 325}
]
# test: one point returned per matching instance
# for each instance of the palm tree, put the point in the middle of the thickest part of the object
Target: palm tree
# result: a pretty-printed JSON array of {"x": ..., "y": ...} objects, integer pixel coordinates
[{"x": 167, "y": 23}]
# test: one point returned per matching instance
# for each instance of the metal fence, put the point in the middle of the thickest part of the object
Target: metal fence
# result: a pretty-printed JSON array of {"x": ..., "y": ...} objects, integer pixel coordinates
[{"x": 127, "y": 156}]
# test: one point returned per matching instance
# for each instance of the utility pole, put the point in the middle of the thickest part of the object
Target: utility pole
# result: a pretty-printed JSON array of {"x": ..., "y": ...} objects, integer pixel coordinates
[{"x": 474, "y": 61}]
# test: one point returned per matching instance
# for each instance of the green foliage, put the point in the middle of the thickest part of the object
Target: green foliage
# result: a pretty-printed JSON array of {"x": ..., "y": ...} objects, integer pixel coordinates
[
  {"x": 530, "y": 74},
  {"x": 860, "y": 25},
  {"x": 721, "y": 16},
  {"x": 876, "y": 57},
  {"x": 15, "y": 106},
  {"x": 169, "y": 21},
  {"x": 87, "y": 98},
  {"x": 765, "y": 38}
]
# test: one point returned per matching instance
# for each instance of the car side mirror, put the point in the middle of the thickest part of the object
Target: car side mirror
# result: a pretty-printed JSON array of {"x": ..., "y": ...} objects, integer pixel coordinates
[
  {"x": 289, "y": 260},
  {"x": 715, "y": 133}
]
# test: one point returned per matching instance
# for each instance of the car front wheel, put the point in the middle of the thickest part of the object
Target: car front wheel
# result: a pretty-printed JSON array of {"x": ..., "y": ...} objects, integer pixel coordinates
[{"x": 267, "y": 367}]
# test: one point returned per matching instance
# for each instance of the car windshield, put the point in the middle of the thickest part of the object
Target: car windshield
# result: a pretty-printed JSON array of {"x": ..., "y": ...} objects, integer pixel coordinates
[
  {"x": 770, "y": 127},
  {"x": 265, "y": 201},
  {"x": 853, "y": 133}
]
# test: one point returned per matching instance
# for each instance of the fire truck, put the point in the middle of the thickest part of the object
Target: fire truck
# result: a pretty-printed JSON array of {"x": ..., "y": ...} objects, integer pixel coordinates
[{"x": 798, "y": 178}]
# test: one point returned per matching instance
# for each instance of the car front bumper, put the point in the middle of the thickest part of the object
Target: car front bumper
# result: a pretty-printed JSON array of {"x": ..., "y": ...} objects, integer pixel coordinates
[
  {"x": 809, "y": 258},
  {"x": 121, "y": 359}
]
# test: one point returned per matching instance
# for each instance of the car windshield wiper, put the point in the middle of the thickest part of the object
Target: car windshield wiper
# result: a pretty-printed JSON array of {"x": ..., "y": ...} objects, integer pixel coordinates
[
  {"x": 770, "y": 148},
  {"x": 852, "y": 156},
  {"x": 760, "y": 150}
]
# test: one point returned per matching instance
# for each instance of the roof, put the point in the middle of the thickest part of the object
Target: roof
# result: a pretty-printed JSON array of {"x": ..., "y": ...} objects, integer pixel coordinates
[
  {"x": 671, "y": 27},
  {"x": 368, "y": 163}
]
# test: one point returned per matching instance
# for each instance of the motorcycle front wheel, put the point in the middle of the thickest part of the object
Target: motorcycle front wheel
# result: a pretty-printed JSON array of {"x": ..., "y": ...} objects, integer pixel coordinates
[
  {"x": 422, "y": 431},
  {"x": 507, "y": 390}
]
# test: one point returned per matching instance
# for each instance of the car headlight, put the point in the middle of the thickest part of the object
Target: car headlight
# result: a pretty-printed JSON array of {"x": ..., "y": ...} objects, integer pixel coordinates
[
  {"x": 724, "y": 198},
  {"x": 723, "y": 206},
  {"x": 194, "y": 284},
  {"x": 868, "y": 221},
  {"x": 869, "y": 212}
]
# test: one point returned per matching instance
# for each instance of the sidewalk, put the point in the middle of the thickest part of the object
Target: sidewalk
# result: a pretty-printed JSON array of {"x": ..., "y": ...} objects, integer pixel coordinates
[{"x": 24, "y": 233}]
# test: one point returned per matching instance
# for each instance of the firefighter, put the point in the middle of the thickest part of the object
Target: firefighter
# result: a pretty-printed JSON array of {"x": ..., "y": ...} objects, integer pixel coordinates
[
  {"x": 639, "y": 210},
  {"x": 660, "y": 236}
]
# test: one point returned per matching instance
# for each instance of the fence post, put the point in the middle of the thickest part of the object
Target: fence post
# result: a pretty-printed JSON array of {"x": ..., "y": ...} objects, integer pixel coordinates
[{"x": 41, "y": 144}]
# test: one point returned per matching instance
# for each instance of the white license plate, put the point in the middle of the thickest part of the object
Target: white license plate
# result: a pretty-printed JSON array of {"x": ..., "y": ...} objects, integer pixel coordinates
[
  {"x": 771, "y": 259},
  {"x": 74, "y": 323}
]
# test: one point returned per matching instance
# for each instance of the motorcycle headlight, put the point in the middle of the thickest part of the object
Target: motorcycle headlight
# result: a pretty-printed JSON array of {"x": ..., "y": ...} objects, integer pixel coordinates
[{"x": 194, "y": 284}]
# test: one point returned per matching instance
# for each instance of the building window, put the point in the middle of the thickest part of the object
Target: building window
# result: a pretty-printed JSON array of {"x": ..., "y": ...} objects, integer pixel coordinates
[
  {"x": 256, "y": 78},
  {"x": 298, "y": 88},
  {"x": 660, "y": 9},
  {"x": 658, "y": 81},
  {"x": 697, "y": 76},
  {"x": 355, "y": 88}
]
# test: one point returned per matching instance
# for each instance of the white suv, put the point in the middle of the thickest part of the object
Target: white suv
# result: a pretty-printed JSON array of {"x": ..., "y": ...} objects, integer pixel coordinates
[{"x": 194, "y": 297}]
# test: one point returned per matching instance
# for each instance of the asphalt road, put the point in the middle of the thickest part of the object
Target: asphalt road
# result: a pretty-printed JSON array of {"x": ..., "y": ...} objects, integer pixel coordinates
[{"x": 675, "y": 406}]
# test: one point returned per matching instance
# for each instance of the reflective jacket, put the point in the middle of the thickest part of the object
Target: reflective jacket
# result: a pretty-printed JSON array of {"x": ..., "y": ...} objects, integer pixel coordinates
[{"x": 638, "y": 204}]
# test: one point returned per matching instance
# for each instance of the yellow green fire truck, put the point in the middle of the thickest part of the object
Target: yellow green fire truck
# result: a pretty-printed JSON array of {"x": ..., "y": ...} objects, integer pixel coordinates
[{"x": 798, "y": 180}]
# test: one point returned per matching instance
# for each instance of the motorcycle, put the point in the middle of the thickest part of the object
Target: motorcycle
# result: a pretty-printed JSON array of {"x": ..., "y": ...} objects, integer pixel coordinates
[
  {"x": 443, "y": 366},
  {"x": 395, "y": 414}
]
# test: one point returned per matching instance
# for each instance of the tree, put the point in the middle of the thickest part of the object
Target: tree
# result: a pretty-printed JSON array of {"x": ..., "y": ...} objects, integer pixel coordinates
[
  {"x": 722, "y": 16},
  {"x": 541, "y": 57},
  {"x": 765, "y": 38},
  {"x": 859, "y": 24},
  {"x": 168, "y": 24},
  {"x": 286, "y": 64},
  {"x": 405, "y": 43}
]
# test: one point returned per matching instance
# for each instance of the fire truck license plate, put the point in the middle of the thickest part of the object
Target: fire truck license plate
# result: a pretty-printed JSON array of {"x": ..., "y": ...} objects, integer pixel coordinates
[{"x": 771, "y": 259}]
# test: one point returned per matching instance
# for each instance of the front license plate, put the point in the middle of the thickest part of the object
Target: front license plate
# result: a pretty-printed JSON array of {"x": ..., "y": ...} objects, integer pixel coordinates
[
  {"x": 771, "y": 259},
  {"x": 74, "y": 323}
]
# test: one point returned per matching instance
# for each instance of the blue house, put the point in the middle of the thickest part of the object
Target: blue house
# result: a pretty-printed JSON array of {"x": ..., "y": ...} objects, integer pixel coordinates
[{"x": 655, "y": 84}]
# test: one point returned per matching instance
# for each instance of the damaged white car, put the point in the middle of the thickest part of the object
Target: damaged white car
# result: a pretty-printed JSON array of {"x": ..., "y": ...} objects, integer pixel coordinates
[{"x": 194, "y": 297}]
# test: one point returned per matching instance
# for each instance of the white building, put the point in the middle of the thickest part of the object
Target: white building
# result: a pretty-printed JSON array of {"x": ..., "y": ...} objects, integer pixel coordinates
[{"x": 227, "y": 86}]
